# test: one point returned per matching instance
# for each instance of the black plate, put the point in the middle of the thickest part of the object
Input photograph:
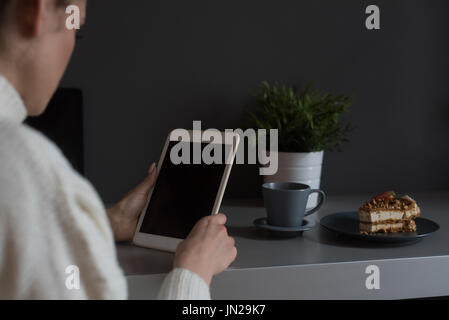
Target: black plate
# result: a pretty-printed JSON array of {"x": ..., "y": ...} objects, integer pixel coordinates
[{"x": 347, "y": 223}]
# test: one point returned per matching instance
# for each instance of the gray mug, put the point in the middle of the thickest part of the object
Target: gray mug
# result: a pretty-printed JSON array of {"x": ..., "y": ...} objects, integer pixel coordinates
[{"x": 286, "y": 203}]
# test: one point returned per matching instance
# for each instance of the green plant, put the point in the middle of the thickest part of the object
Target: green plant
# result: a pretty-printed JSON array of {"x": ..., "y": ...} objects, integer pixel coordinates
[{"x": 307, "y": 120}]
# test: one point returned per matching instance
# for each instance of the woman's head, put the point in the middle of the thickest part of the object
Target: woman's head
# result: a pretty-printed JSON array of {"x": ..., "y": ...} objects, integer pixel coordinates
[{"x": 35, "y": 47}]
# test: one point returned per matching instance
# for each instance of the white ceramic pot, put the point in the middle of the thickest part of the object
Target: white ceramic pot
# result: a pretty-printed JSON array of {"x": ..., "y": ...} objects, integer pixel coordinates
[{"x": 302, "y": 168}]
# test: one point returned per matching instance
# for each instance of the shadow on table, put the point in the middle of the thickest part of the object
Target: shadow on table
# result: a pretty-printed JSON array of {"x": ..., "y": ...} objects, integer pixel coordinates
[
  {"x": 319, "y": 234},
  {"x": 254, "y": 233},
  {"x": 331, "y": 238}
]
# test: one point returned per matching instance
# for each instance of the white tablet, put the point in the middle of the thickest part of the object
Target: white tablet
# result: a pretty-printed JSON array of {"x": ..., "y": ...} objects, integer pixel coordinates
[{"x": 191, "y": 181}]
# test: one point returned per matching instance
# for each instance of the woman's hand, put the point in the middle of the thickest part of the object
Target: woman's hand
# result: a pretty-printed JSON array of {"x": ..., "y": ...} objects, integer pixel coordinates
[
  {"x": 124, "y": 216},
  {"x": 208, "y": 250}
]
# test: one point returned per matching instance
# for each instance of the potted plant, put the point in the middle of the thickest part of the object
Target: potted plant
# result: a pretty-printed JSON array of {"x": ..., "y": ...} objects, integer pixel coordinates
[{"x": 309, "y": 123}]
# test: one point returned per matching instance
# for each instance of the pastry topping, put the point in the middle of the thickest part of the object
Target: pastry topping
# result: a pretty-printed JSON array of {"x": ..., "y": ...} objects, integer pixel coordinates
[
  {"x": 388, "y": 213},
  {"x": 386, "y": 195}
]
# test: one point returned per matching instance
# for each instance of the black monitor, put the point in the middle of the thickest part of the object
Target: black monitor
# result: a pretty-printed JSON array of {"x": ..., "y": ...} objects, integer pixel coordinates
[{"x": 62, "y": 122}]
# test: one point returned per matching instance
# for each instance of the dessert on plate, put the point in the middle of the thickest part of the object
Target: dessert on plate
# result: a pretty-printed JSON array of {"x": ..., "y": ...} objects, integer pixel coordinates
[{"x": 388, "y": 213}]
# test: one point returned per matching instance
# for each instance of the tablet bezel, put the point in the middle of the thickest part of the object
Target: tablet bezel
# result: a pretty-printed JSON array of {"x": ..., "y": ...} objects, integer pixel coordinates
[{"x": 168, "y": 243}]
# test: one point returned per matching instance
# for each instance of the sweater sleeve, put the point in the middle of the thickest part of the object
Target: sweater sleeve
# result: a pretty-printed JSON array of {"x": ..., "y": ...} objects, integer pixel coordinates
[
  {"x": 182, "y": 284},
  {"x": 55, "y": 239}
]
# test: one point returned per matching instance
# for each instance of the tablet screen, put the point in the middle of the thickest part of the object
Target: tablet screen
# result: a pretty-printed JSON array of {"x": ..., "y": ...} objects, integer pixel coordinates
[{"x": 183, "y": 194}]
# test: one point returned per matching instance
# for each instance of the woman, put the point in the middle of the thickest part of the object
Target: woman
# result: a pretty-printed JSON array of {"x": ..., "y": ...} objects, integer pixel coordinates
[{"x": 50, "y": 217}]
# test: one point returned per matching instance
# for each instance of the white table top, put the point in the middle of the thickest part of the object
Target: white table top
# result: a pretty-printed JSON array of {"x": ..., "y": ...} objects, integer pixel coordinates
[{"x": 259, "y": 251}]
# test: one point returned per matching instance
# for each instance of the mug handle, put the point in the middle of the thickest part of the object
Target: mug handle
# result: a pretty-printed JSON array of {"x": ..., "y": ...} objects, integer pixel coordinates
[{"x": 320, "y": 203}]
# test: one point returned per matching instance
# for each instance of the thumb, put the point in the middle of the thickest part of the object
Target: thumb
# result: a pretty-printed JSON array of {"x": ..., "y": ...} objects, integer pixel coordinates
[
  {"x": 145, "y": 186},
  {"x": 152, "y": 167}
]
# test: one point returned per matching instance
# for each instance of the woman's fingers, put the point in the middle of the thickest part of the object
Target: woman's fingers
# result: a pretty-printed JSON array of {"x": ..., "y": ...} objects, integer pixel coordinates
[
  {"x": 145, "y": 186},
  {"x": 209, "y": 224},
  {"x": 232, "y": 241},
  {"x": 208, "y": 250},
  {"x": 216, "y": 228},
  {"x": 219, "y": 219},
  {"x": 152, "y": 167},
  {"x": 200, "y": 226}
]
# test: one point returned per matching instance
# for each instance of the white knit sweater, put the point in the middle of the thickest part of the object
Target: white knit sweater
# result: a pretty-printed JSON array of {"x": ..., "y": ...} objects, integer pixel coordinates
[{"x": 51, "y": 218}]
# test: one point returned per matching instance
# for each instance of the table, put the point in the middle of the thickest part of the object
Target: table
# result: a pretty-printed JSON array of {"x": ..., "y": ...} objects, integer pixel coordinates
[{"x": 318, "y": 265}]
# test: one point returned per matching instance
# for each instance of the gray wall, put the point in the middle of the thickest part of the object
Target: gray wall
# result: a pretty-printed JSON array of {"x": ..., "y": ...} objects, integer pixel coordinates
[{"x": 147, "y": 67}]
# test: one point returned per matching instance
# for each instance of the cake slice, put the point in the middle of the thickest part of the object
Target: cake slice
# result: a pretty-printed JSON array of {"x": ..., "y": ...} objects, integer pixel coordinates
[{"x": 387, "y": 213}]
